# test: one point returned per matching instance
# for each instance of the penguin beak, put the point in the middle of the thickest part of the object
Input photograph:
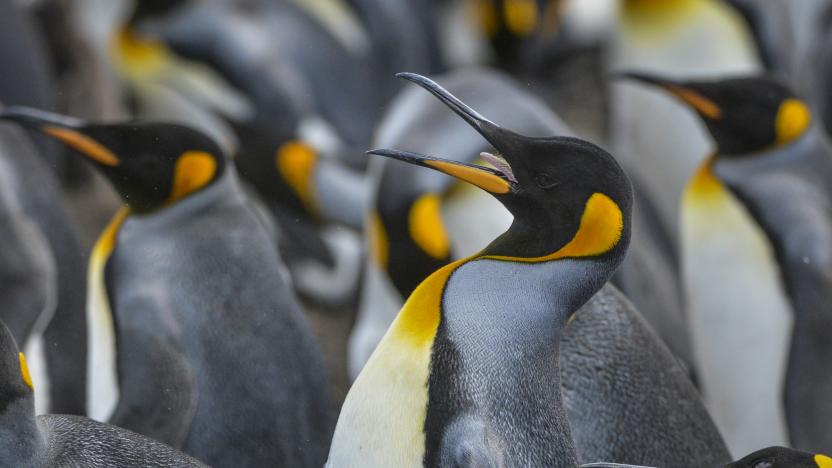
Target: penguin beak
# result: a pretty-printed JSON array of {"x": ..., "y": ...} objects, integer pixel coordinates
[
  {"x": 490, "y": 180},
  {"x": 499, "y": 180},
  {"x": 67, "y": 129},
  {"x": 691, "y": 97}
]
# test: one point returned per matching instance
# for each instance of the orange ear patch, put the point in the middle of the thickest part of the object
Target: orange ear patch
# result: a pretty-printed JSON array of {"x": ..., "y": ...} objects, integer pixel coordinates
[
  {"x": 193, "y": 170},
  {"x": 378, "y": 242},
  {"x": 427, "y": 228},
  {"x": 792, "y": 120},
  {"x": 84, "y": 145},
  {"x": 296, "y": 161}
]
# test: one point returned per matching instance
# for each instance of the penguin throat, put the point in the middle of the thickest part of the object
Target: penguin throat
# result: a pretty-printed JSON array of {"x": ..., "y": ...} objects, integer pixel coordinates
[{"x": 600, "y": 230}]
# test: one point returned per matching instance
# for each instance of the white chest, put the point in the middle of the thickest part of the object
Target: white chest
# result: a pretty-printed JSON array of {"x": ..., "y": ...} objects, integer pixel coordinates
[{"x": 740, "y": 318}]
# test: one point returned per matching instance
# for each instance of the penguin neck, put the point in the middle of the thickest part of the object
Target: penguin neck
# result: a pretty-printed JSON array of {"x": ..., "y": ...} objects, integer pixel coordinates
[
  {"x": 21, "y": 441},
  {"x": 225, "y": 191},
  {"x": 802, "y": 144}
]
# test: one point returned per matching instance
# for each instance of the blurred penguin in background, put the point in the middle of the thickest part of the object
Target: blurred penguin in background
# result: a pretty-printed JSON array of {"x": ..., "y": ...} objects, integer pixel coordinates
[
  {"x": 757, "y": 232},
  {"x": 61, "y": 440},
  {"x": 211, "y": 350},
  {"x": 45, "y": 272},
  {"x": 677, "y": 38}
]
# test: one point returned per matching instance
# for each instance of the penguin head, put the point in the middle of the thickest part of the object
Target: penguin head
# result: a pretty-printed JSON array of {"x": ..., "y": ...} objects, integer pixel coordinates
[
  {"x": 15, "y": 381},
  {"x": 553, "y": 186},
  {"x": 743, "y": 115},
  {"x": 782, "y": 457},
  {"x": 151, "y": 165}
]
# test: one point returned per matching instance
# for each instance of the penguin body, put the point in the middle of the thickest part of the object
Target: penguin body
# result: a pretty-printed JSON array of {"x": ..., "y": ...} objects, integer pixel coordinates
[
  {"x": 627, "y": 397},
  {"x": 756, "y": 243},
  {"x": 212, "y": 232},
  {"x": 34, "y": 207},
  {"x": 457, "y": 219},
  {"x": 213, "y": 354},
  {"x": 28, "y": 441},
  {"x": 481, "y": 334},
  {"x": 685, "y": 38},
  {"x": 787, "y": 193},
  {"x": 232, "y": 38}
]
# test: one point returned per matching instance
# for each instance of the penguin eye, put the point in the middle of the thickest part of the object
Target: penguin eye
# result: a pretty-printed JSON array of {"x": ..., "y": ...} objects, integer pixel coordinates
[{"x": 545, "y": 181}]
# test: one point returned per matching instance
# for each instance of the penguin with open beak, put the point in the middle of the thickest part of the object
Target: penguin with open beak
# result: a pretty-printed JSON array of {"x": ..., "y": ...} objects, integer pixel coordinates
[
  {"x": 190, "y": 306},
  {"x": 468, "y": 371},
  {"x": 756, "y": 237}
]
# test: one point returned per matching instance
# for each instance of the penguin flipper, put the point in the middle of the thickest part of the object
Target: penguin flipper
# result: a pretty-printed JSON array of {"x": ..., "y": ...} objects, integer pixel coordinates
[{"x": 158, "y": 397}]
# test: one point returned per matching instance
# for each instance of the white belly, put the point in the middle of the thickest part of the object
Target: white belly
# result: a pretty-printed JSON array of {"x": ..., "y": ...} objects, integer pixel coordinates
[
  {"x": 102, "y": 381},
  {"x": 740, "y": 320}
]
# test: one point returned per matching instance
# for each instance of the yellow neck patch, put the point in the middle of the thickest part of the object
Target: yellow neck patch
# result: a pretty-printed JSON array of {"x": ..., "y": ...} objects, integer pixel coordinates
[
  {"x": 792, "y": 120},
  {"x": 193, "y": 170},
  {"x": 482, "y": 179},
  {"x": 521, "y": 16},
  {"x": 704, "y": 185},
  {"x": 427, "y": 228},
  {"x": 296, "y": 161},
  {"x": 823, "y": 461},
  {"x": 600, "y": 229},
  {"x": 138, "y": 56},
  {"x": 24, "y": 371},
  {"x": 377, "y": 239},
  {"x": 418, "y": 320},
  {"x": 84, "y": 145}
]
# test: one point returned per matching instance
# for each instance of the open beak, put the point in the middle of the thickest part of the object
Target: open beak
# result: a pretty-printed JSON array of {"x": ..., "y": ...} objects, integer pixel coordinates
[
  {"x": 498, "y": 180},
  {"x": 700, "y": 103},
  {"x": 67, "y": 129}
]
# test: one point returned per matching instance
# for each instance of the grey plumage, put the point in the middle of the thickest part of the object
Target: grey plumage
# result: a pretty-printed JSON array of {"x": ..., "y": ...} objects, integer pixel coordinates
[
  {"x": 627, "y": 398},
  {"x": 34, "y": 195},
  {"x": 787, "y": 191},
  {"x": 207, "y": 323},
  {"x": 52, "y": 441}
]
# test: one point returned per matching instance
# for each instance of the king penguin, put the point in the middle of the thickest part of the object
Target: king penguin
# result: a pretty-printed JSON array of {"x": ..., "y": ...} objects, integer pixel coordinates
[
  {"x": 678, "y": 38},
  {"x": 213, "y": 353},
  {"x": 419, "y": 220},
  {"x": 50, "y": 441},
  {"x": 422, "y": 220},
  {"x": 756, "y": 237},
  {"x": 468, "y": 371}
]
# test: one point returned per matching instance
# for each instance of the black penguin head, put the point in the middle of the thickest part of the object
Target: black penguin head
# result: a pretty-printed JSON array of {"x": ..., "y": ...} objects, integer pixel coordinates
[
  {"x": 743, "y": 115},
  {"x": 15, "y": 381},
  {"x": 151, "y": 165},
  {"x": 782, "y": 457},
  {"x": 554, "y": 187}
]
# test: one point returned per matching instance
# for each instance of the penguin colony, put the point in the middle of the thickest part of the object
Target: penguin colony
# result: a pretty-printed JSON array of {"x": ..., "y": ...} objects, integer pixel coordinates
[{"x": 401, "y": 233}]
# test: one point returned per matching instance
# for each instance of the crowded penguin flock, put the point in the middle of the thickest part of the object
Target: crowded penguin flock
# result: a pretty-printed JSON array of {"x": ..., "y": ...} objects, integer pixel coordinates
[{"x": 401, "y": 233}]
